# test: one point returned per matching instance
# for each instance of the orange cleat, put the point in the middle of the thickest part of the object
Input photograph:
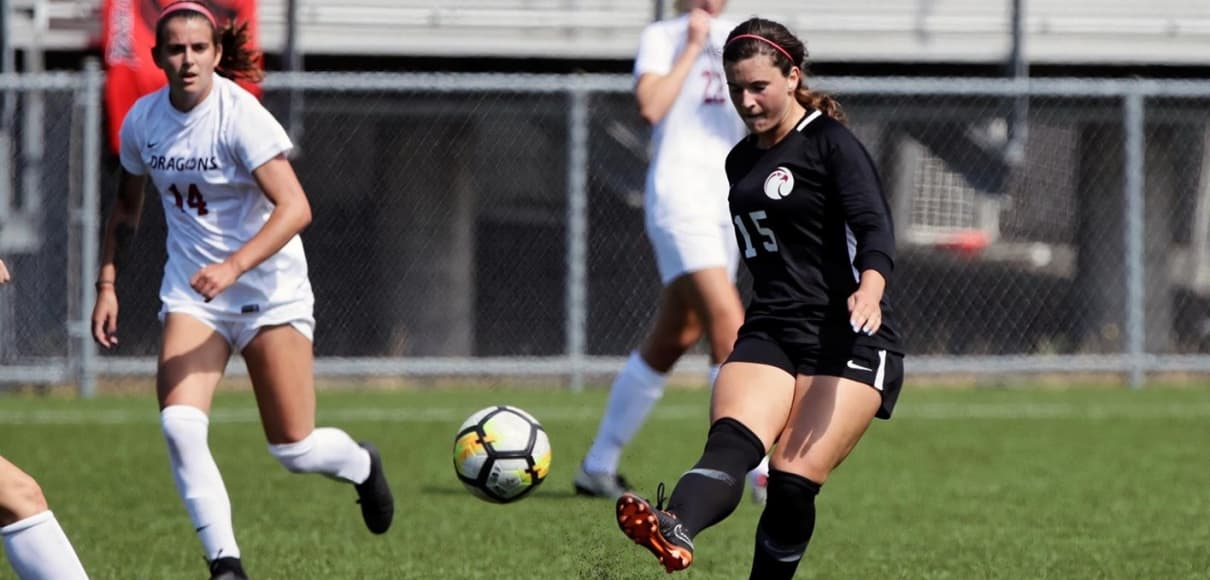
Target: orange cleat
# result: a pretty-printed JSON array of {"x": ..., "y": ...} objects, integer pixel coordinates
[{"x": 655, "y": 529}]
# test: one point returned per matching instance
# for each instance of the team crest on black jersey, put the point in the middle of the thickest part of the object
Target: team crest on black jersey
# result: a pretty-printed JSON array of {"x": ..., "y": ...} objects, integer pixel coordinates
[{"x": 779, "y": 184}]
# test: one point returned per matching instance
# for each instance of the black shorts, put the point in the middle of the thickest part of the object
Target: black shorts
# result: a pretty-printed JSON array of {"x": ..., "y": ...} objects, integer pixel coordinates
[{"x": 878, "y": 368}]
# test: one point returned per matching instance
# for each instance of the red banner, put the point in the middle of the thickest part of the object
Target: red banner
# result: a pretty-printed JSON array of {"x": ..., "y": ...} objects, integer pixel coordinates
[{"x": 127, "y": 37}]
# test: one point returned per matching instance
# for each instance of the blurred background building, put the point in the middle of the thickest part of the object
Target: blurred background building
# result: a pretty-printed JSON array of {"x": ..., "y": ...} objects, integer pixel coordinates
[{"x": 1159, "y": 32}]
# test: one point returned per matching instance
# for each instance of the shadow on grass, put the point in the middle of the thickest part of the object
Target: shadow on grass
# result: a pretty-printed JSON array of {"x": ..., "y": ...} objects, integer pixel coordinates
[{"x": 543, "y": 492}]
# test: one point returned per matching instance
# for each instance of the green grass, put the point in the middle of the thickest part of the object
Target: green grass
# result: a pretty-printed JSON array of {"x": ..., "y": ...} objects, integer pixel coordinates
[{"x": 961, "y": 484}]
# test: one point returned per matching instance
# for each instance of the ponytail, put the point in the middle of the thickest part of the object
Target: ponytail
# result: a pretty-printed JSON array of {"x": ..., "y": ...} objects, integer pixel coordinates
[
  {"x": 821, "y": 102},
  {"x": 239, "y": 61}
]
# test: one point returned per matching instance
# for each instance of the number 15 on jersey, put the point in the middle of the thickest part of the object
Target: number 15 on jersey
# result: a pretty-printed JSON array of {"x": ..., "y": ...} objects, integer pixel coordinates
[{"x": 767, "y": 240}]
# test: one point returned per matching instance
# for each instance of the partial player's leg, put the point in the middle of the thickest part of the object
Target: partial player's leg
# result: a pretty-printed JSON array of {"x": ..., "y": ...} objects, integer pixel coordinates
[
  {"x": 193, "y": 356},
  {"x": 280, "y": 364},
  {"x": 749, "y": 406},
  {"x": 637, "y": 388},
  {"x": 829, "y": 416},
  {"x": 676, "y": 326},
  {"x": 716, "y": 302},
  {"x": 34, "y": 542},
  {"x": 20, "y": 495}
]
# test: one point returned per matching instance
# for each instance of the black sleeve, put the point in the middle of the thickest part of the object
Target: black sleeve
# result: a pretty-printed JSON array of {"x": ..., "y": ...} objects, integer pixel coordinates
[
  {"x": 865, "y": 207},
  {"x": 731, "y": 164}
]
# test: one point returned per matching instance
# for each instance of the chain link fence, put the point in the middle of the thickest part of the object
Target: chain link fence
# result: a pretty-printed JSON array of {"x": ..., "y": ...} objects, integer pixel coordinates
[
  {"x": 492, "y": 224},
  {"x": 49, "y": 158}
]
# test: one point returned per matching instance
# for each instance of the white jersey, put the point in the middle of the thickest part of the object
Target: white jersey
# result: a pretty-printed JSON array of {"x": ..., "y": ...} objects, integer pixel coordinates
[
  {"x": 686, "y": 181},
  {"x": 201, "y": 163}
]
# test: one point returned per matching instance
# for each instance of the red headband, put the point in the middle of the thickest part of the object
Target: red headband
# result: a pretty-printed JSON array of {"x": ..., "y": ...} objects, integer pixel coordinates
[
  {"x": 194, "y": 6},
  {"x": 766, "y": 41}
]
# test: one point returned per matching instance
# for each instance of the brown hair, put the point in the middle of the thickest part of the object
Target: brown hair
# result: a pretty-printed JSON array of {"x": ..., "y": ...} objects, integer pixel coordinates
[
  {"x": 239, "y": 61},
  {"x": 759, "y": 36}
]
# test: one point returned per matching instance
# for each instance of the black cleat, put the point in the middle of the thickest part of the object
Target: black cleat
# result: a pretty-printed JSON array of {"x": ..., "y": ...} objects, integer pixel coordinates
[
  {"x": 655, "y": 529},
  {"x": 227, "y": 569},
  {"x": 374, "y": 494}
]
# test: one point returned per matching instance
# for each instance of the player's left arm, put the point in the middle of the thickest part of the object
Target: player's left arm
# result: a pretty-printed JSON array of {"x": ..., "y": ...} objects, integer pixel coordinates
[
  {"x": 869, "y": 218},
  {"x": 291, "y": 214},
  {"x": 4, "y": 277}
]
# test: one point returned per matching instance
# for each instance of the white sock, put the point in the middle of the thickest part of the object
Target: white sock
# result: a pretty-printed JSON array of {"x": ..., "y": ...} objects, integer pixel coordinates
[
  {"x": 713, "y": 375},
  {"x": 328, "y": 451},
  {"x": 198, "y": 480},
  {"x": 38, "y": 549},
  {"x": 632, "y": 396},
  {"x": 759, "y": 470}
]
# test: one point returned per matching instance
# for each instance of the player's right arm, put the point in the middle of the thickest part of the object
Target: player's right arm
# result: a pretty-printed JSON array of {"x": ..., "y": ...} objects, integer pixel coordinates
[
  {"x": 119, "y": 231},
  {"x": 655, "y": 93},
  {"x": 4, "y": 277}
]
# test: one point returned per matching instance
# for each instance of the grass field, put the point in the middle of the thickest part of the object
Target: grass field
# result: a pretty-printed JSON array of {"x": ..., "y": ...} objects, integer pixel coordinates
[{"x": 1022, "y": 483}]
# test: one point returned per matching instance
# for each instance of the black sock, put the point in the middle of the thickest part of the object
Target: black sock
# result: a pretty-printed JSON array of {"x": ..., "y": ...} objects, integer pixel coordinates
[
  {"x": 785, "y": 526},
  {"x": 710, "y": 491}
]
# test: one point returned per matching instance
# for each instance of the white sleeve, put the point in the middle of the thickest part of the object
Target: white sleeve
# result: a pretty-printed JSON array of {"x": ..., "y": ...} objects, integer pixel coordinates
[
  {"x": 129, "y": 149},
  {"x": 255, "y": 136},
  {"x": 655, "y": 54}
]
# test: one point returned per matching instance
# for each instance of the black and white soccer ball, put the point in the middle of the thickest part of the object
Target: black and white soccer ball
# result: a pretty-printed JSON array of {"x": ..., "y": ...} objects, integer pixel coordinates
[{"x": 501, "y": 453}]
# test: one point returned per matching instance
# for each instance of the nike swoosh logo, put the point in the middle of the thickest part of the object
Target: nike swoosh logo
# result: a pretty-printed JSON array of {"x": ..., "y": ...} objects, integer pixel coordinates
[
  {"x": 858, "y": 367},
  {"x": 679, "y": 532},
  {"x": 152, "y": 145}
]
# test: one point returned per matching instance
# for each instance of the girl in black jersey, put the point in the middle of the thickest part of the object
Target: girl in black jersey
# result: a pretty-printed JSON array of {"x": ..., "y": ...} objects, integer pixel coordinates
[{"x": 817, "y": 358}]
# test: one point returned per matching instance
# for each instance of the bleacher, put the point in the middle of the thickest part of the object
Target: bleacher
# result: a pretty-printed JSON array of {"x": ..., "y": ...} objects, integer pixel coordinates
[
  {"x": 524, "y": 28},
  {"x": 975, "y": 31}
]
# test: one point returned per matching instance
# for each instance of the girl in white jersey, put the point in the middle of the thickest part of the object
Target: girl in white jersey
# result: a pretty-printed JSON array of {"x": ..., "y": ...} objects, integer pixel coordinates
[
  {"x": 34, "y": 543},
  {"x": 681, "y": 90},
  {"x": 236, "y": 276}
]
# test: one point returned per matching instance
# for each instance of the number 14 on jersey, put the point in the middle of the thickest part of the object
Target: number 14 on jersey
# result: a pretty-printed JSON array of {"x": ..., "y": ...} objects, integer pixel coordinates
[{"x": 194, "y": 200}]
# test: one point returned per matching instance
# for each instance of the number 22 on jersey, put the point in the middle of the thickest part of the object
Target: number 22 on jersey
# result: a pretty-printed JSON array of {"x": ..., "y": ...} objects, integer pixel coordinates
[
  {"x": 767, "y": 241},
  {"x": 715, "y": 92},
  {"x": 194, "y": 199}
]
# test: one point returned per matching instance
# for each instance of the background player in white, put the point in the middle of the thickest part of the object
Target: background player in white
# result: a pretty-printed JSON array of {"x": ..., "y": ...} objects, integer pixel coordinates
[
  {"x": 680, "y": 89},
  {"x": 236, "y": 275},
  {"x": 34, "y": 542}
]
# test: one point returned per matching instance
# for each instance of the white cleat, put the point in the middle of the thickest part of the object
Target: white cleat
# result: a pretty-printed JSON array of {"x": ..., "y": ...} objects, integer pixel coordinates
[
  {"x": 759, "y": 483},
  {"x": 608, "y": 485}
]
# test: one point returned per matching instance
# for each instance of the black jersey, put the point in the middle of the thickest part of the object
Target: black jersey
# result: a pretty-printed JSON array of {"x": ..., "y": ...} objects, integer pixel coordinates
[{"x": 809, "y": 216}]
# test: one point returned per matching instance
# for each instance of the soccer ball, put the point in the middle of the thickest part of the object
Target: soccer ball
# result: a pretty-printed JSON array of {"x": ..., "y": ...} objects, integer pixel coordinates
[{"x": 501, "y": 453}]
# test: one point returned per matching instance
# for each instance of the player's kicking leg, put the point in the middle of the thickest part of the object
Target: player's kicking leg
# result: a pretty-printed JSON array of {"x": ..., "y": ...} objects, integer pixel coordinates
[{"x": 280, "y": 363}]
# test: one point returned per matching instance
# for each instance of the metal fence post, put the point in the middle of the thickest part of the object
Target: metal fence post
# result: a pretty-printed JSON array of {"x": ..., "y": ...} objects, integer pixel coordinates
[
  {"x": 577, "y": 235},
  {"x": 1133, "y": 158},
  {"x": 90, "y": 208}
]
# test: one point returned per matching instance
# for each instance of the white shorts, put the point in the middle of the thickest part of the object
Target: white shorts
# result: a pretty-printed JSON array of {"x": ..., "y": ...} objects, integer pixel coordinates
[
  {"x": 239, "y": 332},
  {"x": 688, "y": 247}
]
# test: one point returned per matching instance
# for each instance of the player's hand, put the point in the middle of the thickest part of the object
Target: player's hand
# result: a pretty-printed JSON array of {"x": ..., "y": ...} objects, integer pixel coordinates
[
  {"x": 699, "y": 27},
  {"x": 105, "y": 317},
  {"x": 865, "y": 310},
  {"x": 211, "y": 280},
  {"x": 4, "y": 277}
]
